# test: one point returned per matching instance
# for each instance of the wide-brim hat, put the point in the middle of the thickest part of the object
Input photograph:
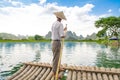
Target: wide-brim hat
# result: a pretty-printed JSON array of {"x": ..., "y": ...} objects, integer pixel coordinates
[{"x": 60, "y": 15}]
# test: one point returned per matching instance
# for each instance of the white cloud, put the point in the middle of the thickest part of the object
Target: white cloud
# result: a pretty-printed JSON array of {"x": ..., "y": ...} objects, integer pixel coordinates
[
  {"x": 42, "y": 1},
  {"x": 37, "y": 19},
  {"x": 110, "y": 10},
  {"x": 8, "y": 0},
  {"x": 13, "y": 2},
  {"x": 16, "y": 3}
]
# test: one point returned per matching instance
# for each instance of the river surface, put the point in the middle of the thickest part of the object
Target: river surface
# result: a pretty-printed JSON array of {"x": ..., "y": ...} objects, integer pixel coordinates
[{"x": 74, "y": 53}]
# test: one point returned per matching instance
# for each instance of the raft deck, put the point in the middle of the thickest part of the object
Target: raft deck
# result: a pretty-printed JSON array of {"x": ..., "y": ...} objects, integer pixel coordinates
[{"x": 42, "y": 71}]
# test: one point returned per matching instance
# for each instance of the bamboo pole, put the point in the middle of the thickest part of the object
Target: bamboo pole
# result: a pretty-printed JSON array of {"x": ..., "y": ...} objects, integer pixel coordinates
[
  {"x": 98, "y": 71},
  {"x": 49, "y": 76},
  {"x": 59, "y": 61},
  {"x": 115, "y": 77},
  {"x": 31, "y": 73},
  {"x": 41, "y": 74},
  {"x": 105, "y": 77},
  {"x": 22, "y": 73},
  {"x": 61, "y": 73},
  {"x": 74, "y": 77},
  {"x": 99, "y": 76},
  {"x": 69, "y": 75},
  {"x": 74, "y": 74},
  {"x": 89, "y": 75},
  {"x": 45, "y": 74},
  {"x": 92, "y": 70},
  {"x": 110, "y": 75},
  {"x": 27, "y": 73},
  {"x": 53, "y": 78},
  {"x": 78, "y": 69},
  {"x": 79, "y": 74},
  {"x": 94, "y": 74},
  {"x": 84, "y": 74},
  {"x": 36, "y": 74}
]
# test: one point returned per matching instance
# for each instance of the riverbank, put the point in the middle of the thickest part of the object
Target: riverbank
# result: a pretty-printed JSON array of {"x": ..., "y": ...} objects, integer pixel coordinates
[
  {"x": 24, "y": 40},
  {"x": 111, "y": 42},
  {"x": 45, "y": 40},
  {"x": 105, "y": 42}
]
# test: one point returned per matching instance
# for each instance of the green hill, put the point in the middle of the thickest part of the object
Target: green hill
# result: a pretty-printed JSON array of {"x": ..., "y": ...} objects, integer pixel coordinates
[{"x": 8, "y": 36}]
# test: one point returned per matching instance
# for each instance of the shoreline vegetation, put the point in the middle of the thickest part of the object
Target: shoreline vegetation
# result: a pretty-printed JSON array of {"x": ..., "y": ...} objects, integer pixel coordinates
[{"x": 105, "y": 42}]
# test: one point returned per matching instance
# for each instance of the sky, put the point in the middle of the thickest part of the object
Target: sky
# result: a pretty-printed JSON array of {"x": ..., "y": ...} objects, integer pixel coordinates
[{"x": 31, "y": 17}]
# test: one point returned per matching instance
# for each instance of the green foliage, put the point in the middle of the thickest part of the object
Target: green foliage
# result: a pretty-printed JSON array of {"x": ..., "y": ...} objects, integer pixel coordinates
[
  {"x": 102, "y": 32},
  {"x": 1, "y": 38},
  {"x": 104, "y": 42},
  {"x": 110, "y": 25},
  {"x": 38, "y": 37},
  {"x": 31, "y": 38}
]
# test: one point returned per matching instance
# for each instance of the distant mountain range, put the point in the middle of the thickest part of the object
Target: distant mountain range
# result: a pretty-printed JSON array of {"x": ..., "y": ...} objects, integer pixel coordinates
[
  {"x": 12, "y": 36},
  {"x": 69, "y": 36},
  {"x": 72, "y": 36}
]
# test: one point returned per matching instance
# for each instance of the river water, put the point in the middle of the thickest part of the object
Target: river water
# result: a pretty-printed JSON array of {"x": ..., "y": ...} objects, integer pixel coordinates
[{"x": 74, "y": 53}]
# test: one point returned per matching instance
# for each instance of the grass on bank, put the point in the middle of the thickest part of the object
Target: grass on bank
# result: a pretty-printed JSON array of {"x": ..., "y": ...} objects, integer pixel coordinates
[
  {"x": 102, "y": 41},
  {"x": 24, "y": 40},
  {"x": 47, "y": 40}
]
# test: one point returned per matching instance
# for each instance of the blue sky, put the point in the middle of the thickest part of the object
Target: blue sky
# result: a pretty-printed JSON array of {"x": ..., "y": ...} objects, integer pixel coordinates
[
  {"x": 101, "y": 6},
  {"x": 81, "y": 15}
]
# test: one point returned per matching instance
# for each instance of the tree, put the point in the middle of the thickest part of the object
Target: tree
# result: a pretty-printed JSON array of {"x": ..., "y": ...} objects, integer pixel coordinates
[
  {"x": 110, "y": 26},
  {"x": 1, "y": 38},
  {"x": 38, "y": 37},
  {"x": 31, "y": 38}
]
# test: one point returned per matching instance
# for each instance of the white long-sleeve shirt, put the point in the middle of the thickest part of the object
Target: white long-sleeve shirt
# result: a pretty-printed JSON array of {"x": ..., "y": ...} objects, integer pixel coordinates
[{"x": 57, "y": 30}]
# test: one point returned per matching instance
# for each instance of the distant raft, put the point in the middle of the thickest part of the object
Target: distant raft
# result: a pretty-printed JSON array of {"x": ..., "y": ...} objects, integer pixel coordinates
[{"x": 42, "y": 71}]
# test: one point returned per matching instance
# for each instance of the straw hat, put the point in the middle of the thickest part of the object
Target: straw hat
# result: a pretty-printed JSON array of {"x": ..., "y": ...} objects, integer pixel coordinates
[{"x": 60, "y": 15}]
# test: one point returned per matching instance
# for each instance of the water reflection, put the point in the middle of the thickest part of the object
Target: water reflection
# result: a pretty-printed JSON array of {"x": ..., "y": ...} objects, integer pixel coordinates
[
  {"x": 109, "y": 58},
  {"x": 37, "y": 56},
  {"x": 69, "y": 47}
]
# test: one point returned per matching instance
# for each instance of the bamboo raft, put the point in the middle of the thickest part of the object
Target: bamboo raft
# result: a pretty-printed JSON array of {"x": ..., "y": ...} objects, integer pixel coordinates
[{"x": 42, "y": 71}]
